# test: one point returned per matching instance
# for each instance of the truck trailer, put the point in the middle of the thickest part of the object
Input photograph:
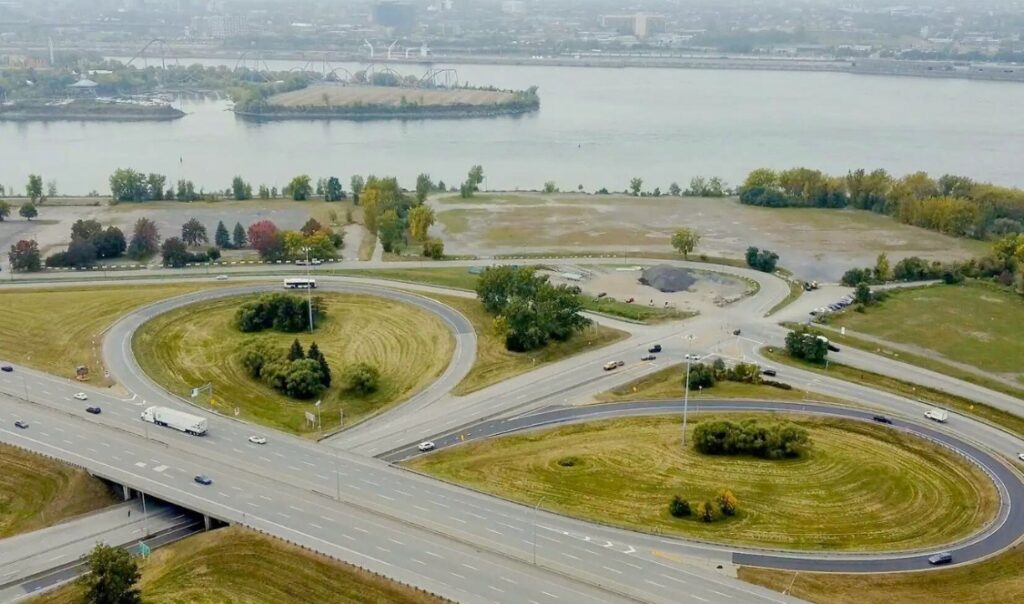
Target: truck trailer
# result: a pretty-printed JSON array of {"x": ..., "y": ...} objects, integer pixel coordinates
[{"x": 172, "y": 418}]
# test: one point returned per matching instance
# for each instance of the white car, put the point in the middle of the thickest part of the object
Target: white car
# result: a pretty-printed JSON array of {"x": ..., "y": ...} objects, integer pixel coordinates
[
  {"x": 1020, "y": 456},
  {"x": 258, "y": 440},
  {"x": 81, "y": 396},
  {"x": 426, "y": 446},
  {"x": 222, "y": 277}
]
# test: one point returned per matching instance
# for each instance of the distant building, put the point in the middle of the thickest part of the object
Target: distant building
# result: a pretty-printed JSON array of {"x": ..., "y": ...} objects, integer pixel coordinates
[
  {"x": 83, "y": 87},
  {"x": 640, "y": 25},
  {"x": 399, "y": 15},
  {"x": 219, "y": 27}
]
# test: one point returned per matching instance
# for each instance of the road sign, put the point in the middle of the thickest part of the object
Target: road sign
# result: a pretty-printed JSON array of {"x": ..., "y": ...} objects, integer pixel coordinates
[
  {"x": 144, "y": 550},
  {"x": 310, "y": 418},
  {"x": 237, "y": 411}
]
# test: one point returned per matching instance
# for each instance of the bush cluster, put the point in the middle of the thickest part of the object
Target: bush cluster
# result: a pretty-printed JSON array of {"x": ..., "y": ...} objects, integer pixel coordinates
[
  {"x": 278, "y": 311},
  {"x": 724, "y": 505},
  {"x": 296, "y": 373},
  {"x": 749, "y": 437},
  {"x": 762, "y": 260},
  {"x": 806, "y": 345},
  {"x": 703, "y": 375}
]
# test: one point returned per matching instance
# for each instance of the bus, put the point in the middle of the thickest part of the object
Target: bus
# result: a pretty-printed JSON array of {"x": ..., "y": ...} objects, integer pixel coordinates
[{"x": 300, "y": 283}]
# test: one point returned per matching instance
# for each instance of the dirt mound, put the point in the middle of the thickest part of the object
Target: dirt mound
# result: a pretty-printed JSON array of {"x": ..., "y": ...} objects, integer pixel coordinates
[{"x": 668, "y": 279}]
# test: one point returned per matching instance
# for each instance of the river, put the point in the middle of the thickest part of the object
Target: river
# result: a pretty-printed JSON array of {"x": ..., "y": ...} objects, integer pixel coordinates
[{"x": 596, "y": 126}]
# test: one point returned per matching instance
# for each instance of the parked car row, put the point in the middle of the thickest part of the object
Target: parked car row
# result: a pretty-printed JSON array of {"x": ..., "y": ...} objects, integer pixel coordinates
[{"x": 834, "y": 307}]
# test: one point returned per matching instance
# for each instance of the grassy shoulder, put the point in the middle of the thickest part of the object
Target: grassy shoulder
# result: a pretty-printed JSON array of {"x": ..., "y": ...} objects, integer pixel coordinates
[
  {"x": 795, "y": 291},
  {"x": 57, "y": 329},
  {"x": 494, "y": 363},
  {"x": 974, "y": 323},
  {"x": 236, "y": 565},
  {"x": 667, "y": 383},
  {"x": 906, "y": 492},
  {"x": 996, "y": 580},
  {"x": 36, "y": 492},
  {"x": 199, "y": 344},
  {"x": 1003, "y": 419}
]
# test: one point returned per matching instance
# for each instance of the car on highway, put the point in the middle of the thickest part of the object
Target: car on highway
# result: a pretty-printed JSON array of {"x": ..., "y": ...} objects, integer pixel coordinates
[
  {"x": 940, "y": 558},
  {"x": 93, "y": 410},
  {"x": 881, "y": 419},
  {"x": 203, "y": 479},
  {"x": 81, "y": 396},
  {"x": 7, "y": 368},
  {"x": 648, "y": 357},
  {"x": 426, "y": 446},
  {"x": 258, "y": 440},
  {"x": 832, "y": 347},
  {"x": 1020, "y": 456},
  {"x": 937, "y": 415},
  {"x": 769, "y": 372},
  {"x": 21, "y": 424},
  {"x": 692, "y": 357},
  {"x": 613, "y": 365},
  {"x": 222, "y": 277},
  {"x": 655, "y": 348}
]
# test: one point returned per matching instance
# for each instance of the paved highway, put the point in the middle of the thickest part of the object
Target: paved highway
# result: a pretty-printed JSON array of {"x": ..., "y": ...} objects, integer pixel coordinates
[{"x": 341, "y": 501}]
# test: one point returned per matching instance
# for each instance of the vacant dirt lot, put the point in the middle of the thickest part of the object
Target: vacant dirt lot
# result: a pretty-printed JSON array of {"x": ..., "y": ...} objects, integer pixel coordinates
[
  {"x": 815, "y": 243},
  {"x": 338, "y": 96}
]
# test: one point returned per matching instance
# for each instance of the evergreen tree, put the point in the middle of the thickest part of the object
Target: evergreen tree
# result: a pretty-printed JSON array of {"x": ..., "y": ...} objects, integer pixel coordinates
[
  {"x": 221, "y": 237},
  {"x": 325, "y": 370},
  {"x": 296, "y": 353},
  {"x": 239, "y": 239}
]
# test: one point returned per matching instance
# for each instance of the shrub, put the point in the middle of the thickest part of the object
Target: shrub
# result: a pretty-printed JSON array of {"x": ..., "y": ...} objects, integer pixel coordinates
[
  {"x": 362, "y": 379},
  {"x": 568, "y": 462},
  {"x": 679, "y": 507},
  {"x": 767, "y": 441},
  {"x": 727, "y": 502},
  {"x": 433, "y": 248},
  {"x": 706, "y": 511}
]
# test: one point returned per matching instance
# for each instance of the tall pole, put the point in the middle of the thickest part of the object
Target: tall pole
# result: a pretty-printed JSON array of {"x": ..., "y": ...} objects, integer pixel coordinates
[
  {"x": 309, "y": 291},
  {"x": 686, "y": 389},
  {"x": 535, "y": 512},
  {"x": 145, "y": 517}
]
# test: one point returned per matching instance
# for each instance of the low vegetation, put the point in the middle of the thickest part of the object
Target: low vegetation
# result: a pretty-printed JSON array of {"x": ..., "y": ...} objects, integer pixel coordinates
[
  {"x": 907, "y": 492},
  {"x": 997, "y": 580},
  {"x": 200, "y": 344},
  {"x": 238, "y": 566},
  {"x": 37, "y": 492}
]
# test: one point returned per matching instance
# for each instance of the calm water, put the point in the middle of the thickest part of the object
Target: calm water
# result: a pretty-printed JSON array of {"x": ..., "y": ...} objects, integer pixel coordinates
[{"x": 596, "y": 127}]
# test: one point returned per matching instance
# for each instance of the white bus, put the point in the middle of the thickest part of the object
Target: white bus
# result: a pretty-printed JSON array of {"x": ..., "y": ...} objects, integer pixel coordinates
[{"x": 300, "y": 283}]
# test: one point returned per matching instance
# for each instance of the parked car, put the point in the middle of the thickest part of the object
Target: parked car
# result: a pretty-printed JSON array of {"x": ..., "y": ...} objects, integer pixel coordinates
[
  {"x": 941, "y": 558},
  {"x": 882, "y": 419},
  {"x": 426, "y": 446},
  {"x": 81, "y": 396},
  {"x": 258, "y": 440},
  {"x": 21, "y": 424},
  {"x": 648, "y": 357},
  {"x": 7, "y": 368},
  {"x": 655, "y": 348},
  {"x": 93, "y": 410},
  {"x": 769, "y": 372},
  {"x": 204, "y": 479}
]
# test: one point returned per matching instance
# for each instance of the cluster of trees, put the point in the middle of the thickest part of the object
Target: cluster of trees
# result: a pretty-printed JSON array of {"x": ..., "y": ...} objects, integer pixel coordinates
[
  {"x": 951, "y": 204},
  {"x": 762, "y": 260},
  {"x": 807, "y": 345},
  {"x": 278, "y": 311},
  {"x": 775, "y": 440},
  {"x": 529, "y": 311},
  {"x": 317, "y": 240},
  {"x": 27, "y": 210},
  {"x": 473, "y": 181},
  {"x": 89, "y": 242},
  {"x": 112, "y": 576},
  {"x": 699, "y": 187},
  {"x": 24, "y": 256},
  {"x": 399, "y": 219},
  {"x": 296, "y": 373},
  {"x": 725, "y": 504},
  {"x": 703, "y": 375}
]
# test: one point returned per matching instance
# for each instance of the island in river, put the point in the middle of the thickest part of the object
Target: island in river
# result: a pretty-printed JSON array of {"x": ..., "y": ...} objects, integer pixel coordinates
[
  {"x": 88, "y": 110},
  {"x": 367, "y": 102}
]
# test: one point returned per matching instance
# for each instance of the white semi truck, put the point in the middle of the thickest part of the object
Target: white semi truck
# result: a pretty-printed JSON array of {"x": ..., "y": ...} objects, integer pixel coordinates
[{"x": 172, "y": 418}]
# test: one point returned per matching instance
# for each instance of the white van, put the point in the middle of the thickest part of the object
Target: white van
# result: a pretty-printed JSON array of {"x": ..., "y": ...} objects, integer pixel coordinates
[{"x": 937, "y": 415}]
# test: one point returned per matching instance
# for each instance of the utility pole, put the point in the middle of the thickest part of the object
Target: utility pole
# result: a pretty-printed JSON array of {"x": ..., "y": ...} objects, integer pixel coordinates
[
  {"x": 309, "y": 291},
  {"x": 686, "y": 389}
]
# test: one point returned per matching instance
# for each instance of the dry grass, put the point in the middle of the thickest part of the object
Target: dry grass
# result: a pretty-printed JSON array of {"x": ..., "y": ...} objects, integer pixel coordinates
[
  {"x": 199, "y": 344},
  {"x": 55, "y": 330},
  {"x": 494, "y": 363},
  {"x": 238, "y": 566},
  {"x": 860, "y": 487},
  {"x": 37, "y": 492},
  {"x": 342, "y": 96},
  {"x": 998, "y": 580}
]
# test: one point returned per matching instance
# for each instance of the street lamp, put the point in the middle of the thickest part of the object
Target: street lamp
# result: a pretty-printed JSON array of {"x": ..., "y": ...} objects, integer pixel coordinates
[
  {"x": 535, "y": 512},
  {"x": 309, "y": 291},
  {"x": 686, "y": 388}
]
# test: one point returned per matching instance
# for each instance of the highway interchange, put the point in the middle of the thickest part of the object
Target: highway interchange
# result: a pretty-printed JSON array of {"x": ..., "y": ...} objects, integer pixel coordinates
[{"x": 343, "y": 497}]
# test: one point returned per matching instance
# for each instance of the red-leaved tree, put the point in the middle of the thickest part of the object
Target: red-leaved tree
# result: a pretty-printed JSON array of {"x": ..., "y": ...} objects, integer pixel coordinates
[{"x": 262, "y": 235}]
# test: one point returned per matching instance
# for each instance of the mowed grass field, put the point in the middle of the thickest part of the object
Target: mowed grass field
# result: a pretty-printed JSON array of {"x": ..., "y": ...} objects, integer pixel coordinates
[
  {"x": 861, "y": 487},
  {"x": 199, "y": 344},
  {"x": 37, "y": 492},
  {"x": 974, "y": 323},
  {"x": 998, "y": 580},
  {"x": 494, "y": 363},
  {"x": 237, "y": 566},
  {"x": 339, "y": 96},
  {"x": 57, "y": 329}
]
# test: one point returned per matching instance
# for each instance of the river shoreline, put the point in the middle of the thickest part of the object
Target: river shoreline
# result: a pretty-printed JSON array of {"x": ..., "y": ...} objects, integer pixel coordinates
[{"x": 364, "y": 115}]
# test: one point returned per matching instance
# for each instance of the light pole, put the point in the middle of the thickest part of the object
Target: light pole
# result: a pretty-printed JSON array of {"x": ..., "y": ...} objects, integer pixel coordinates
[
  {"x": 145, "y": 516},
  {"x": 686, "y": 388},
  {"x": 309, "y": 291},
  {"x": 535, "y": 512}
]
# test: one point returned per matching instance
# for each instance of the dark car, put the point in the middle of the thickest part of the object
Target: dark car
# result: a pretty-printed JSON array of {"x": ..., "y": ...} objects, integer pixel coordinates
[
  {"x": 204, "y": 479},
  {"x": 7, "y": 368},
  {"x": 769, "y": 372},
  {"x": 882, "y": 419},
  {"x": 21, "y": 424},
  {"x": 943, "y": 558},
  {"x": 833, "y": 347},
  {"x": 736, "y": 332},
  {"x": 93, "y": 410},
  {"x": 655, "y": 348}
]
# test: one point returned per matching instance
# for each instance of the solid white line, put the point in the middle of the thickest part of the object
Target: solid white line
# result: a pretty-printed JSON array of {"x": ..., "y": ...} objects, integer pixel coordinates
[
  {"x": 654, "y": 584},
  {"x": 549, "y": 595}
]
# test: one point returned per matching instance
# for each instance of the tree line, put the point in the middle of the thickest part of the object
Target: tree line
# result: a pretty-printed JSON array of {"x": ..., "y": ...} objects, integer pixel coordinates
[
  {"x": 774, "y": 440},
  {"x": 951, "y": 204}
]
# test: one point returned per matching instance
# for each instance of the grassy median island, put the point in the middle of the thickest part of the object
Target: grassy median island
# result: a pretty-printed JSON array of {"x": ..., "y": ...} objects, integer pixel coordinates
[
  {"x": 859, "y": 487},
  {"x": 996, "y": 580},
  {"x": 36, "y": 491},
  {"x": 235, "y": 565},
  {"x": 199, "y": 344},
  {"x": 57, "y": 329}
]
